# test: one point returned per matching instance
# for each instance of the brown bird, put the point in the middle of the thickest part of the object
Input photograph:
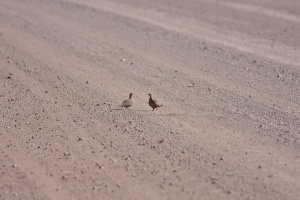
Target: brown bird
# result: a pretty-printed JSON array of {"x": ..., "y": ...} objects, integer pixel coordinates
[
  {"x": 128, "y": 102},
  {"x": 154, "y": 104}
]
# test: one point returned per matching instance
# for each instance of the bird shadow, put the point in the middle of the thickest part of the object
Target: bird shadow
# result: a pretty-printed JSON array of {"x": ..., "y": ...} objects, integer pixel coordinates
[
  {"x": 119, "y": 109},
  {"x": 143, "y": 110},
  {"x": 132, "y": 110},
  {"x": 152, "y": 111}
]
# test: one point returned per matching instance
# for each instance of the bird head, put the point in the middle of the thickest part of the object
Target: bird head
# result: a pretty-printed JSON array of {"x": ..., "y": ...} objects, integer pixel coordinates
[{"x": 130, "y": 95}]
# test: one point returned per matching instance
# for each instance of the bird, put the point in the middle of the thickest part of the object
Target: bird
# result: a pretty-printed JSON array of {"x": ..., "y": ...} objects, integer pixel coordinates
[
  {"x": 153, "y": 104},
  {"x": 128, "y": 102}
]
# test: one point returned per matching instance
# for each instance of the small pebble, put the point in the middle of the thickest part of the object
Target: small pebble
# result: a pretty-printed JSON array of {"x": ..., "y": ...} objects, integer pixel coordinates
[
  {"x": 191, "y": 85},
  {"x": 161, "y": 141},
  {"x": 228, "y": 192}
]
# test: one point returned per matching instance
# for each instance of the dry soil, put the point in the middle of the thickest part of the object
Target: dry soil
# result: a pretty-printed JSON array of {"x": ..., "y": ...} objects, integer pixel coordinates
[{"x": 226, "y": 71}]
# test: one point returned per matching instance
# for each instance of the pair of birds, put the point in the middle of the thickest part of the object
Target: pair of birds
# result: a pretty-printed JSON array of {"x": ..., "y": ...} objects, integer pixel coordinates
[{"x": 152, "y": 103}]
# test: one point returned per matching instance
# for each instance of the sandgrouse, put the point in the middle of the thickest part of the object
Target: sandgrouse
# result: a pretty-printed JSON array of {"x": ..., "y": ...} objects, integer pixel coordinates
[
  {"x": 154, "y": 104},
  {"x": 128, "y": 102}
]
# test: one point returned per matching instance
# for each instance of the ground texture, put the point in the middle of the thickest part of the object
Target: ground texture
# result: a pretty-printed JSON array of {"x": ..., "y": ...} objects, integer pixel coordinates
[{"x": 226, "y": 72}]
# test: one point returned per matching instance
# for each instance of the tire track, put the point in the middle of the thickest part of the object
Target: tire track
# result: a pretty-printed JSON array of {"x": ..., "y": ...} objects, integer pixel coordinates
[
  {"x": 245, "y": 43},
  {"x": 119, "y": 175},
  {"x": 221, "y": 82},
  {"x": 261, "y": 10},
  {"x": 215, "y": 138}
]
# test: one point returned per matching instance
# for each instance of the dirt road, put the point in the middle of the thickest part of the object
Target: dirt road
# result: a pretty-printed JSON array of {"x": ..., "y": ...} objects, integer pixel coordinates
[{"x": 226, "y": 72}]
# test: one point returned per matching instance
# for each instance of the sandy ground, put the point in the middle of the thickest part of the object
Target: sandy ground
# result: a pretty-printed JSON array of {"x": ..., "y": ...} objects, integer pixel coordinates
[{"x": 227, "y": 73}]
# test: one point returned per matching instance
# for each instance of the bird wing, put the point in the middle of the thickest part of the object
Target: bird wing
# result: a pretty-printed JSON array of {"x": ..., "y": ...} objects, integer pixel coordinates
[{"x": 126, "y": 103}]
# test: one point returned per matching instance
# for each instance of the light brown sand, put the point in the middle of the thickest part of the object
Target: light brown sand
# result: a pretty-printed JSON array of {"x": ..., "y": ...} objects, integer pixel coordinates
[{"x": 227, "y": 73}]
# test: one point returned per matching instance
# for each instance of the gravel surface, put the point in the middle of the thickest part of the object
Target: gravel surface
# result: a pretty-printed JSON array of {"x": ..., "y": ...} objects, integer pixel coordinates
[{"x": 226, "y": 72}]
